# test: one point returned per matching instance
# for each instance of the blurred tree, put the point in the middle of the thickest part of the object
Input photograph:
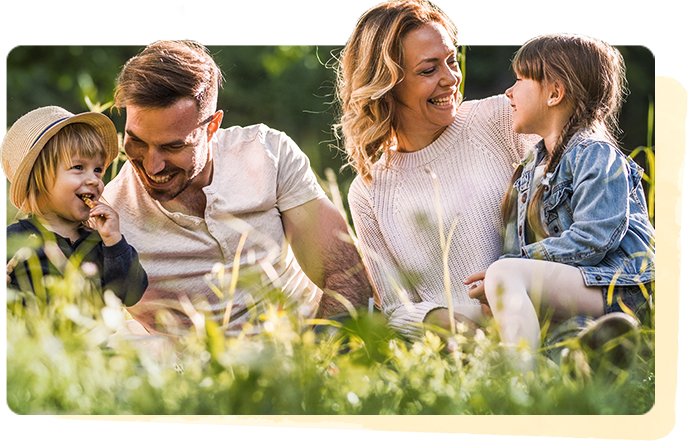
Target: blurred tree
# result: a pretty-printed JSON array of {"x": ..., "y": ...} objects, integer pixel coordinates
[{"x": 275, "y": 55}]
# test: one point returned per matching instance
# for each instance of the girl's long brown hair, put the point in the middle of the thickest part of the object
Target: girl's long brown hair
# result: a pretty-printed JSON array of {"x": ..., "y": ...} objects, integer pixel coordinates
[{"x": 593, "y": 75}]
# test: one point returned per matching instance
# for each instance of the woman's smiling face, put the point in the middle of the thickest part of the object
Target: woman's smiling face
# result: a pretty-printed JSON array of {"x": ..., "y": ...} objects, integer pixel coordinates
[{"x": 428, "y": 97}]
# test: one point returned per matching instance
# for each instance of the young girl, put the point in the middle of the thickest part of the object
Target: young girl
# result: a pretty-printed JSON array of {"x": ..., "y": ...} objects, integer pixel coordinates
[
  {"x": 578, "y": 239},
  {"x": 55, "y": 161}
]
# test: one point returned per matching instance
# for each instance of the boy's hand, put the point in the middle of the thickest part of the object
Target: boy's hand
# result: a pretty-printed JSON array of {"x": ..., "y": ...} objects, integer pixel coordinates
[
  {"x": 107, "y": 223},
  {"x": 477, "y": 290},
  {"x": 4, "y": 275}
]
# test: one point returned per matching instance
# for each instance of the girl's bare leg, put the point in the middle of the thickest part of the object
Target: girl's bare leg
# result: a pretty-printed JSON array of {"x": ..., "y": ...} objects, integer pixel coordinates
[{"x": 520, "y": 290}]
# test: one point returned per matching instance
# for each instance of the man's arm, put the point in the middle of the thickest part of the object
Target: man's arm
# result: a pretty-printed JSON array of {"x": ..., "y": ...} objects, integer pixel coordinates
[{"x": 321, "y": 243}]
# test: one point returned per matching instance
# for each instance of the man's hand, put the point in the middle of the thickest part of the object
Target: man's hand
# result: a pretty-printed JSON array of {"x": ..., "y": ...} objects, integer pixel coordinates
[{"x": 323, "y": 248}]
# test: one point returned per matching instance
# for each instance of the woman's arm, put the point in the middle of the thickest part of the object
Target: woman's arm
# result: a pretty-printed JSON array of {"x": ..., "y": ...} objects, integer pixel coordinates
[{"x": 400, "y": 303}]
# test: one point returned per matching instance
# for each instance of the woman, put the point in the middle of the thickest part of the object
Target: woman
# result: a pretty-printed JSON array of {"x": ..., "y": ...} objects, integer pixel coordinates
[{"x": 431, "y": 169}]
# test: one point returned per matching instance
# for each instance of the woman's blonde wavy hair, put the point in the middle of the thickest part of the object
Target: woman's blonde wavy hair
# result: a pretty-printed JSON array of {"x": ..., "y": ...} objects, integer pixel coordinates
[{"x": 369, "y": 67}]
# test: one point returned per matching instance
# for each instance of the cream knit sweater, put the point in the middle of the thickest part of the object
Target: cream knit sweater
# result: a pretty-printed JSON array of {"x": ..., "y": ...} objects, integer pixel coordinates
[{"x": 396, "y": 215}]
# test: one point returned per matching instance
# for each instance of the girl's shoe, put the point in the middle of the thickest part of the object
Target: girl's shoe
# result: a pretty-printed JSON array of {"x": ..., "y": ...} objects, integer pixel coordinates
[
  {"x": 611, "y": 342},
  {"x": 607, "y": 344}
]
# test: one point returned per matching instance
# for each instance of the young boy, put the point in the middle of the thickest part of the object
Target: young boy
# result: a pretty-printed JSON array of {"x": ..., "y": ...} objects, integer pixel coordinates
[{"x": 55, "y": 161}]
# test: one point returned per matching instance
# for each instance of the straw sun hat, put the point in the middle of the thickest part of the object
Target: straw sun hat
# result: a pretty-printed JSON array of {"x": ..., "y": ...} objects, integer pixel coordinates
[{"x": 27, "y": 137}]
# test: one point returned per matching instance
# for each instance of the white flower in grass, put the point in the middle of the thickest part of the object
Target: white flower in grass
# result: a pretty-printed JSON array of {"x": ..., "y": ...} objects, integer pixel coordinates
[
  {"x": 352, "y": 397},
  {"x": 89, "y": 269},
  {"x": 72, "y": 312},
  {"x": 113, "y": 314}
]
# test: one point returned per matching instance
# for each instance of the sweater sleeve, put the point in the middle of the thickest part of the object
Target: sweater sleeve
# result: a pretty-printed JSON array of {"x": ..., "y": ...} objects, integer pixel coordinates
[
  {"x": 123, "y": 273},
  {"x": 402, "y": 306},
  {"x": 495, "y": 120}
]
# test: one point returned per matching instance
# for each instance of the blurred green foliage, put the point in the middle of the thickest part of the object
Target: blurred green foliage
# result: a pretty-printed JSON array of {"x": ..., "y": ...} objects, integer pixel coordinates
[
  {"x": 276, "y": 55},
  {"x": 62, "y": 358}
]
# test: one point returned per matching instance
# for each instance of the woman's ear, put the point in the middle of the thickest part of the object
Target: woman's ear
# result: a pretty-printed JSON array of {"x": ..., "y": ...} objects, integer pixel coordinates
[{"x": 556, "y": 92}]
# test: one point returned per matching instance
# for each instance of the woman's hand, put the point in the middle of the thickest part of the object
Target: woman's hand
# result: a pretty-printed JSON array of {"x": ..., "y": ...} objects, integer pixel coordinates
[
  {"x": 440, "y": 317},
  {"x": 107, "y": 223},
  {"x": 476, "y": 290}
]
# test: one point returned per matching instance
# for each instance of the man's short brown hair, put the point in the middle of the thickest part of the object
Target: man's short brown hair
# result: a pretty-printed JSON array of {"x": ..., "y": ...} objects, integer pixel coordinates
[{"x": 167, "y": 71}]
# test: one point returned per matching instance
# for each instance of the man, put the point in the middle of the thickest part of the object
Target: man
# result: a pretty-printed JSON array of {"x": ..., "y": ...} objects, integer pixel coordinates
[{"x": 197, "y": 201}]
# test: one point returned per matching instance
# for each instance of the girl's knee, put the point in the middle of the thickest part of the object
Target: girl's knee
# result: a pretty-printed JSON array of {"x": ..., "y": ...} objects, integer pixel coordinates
[
  {"x": 507, "y": 277},
  {"x": 502, "y": 271}
]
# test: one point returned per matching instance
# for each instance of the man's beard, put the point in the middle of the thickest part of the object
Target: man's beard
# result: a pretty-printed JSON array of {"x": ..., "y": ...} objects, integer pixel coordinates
[{"x": 162, "y": 195}]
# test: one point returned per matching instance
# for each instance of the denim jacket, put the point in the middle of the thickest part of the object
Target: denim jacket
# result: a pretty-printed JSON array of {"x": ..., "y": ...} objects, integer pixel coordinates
[{"x": 595, "y": 209}]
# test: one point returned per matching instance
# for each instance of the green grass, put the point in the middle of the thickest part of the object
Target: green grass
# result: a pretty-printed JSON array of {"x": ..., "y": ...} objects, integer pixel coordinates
[{"x": 58, "y": 362}]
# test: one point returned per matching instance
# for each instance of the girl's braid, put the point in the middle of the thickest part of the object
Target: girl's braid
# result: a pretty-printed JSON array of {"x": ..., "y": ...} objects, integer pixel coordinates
[{"x": 576, "y": 122}]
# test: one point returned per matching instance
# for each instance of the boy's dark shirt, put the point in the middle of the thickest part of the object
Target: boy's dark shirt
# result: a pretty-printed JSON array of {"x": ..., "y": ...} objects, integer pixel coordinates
[{"x": 118, "y": 265}]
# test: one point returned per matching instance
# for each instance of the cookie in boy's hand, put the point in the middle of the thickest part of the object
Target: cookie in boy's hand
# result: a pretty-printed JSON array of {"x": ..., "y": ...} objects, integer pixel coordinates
[{"x": 87, "y": 200}]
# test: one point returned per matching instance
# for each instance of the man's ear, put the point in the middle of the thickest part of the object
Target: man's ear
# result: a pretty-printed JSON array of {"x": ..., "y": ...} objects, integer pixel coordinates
[
  {"x": 215, "y": 124},
  {"x": 556, "y": 93}
]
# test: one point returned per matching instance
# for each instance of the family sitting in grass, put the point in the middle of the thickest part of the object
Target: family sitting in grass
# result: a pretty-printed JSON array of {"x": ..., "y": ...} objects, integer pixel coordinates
[{"x": 451, "y": 237}]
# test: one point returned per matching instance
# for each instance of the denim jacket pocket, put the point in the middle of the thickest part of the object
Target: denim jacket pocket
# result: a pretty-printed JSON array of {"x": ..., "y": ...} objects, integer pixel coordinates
[
  {"x": 557, "y": 208},
  {"x": 627, "y": 269},
  {"x": 523, "y": 182},
  {"x": 617, "y": 261},
  {"x": 637, "y": 193}
]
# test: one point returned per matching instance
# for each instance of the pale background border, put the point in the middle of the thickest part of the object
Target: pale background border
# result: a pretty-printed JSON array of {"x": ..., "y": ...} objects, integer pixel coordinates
[{"x": 667, "y": 420}]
